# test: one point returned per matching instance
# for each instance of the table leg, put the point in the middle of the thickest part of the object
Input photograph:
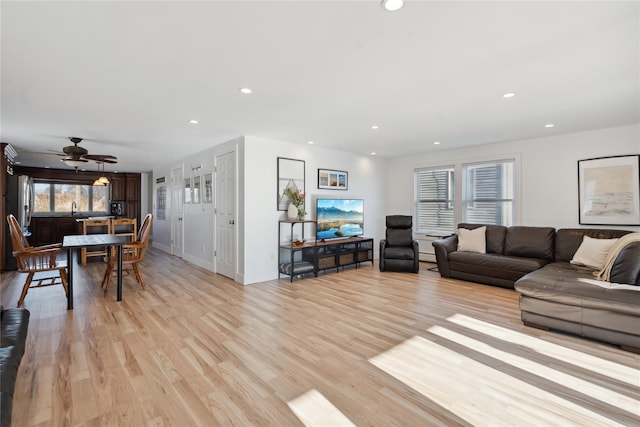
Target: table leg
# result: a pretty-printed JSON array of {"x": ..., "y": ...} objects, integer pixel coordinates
[
  {"x": 70, "y": 279},
  {"x": 119, "y": 272}
]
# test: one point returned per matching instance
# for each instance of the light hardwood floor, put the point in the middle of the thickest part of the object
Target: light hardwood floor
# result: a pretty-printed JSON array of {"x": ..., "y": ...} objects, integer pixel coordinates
[{"x": 356, "y": 348}]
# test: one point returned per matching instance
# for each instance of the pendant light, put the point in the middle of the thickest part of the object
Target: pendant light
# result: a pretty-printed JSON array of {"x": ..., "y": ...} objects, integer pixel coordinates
[{"x": 103, "y": 180}]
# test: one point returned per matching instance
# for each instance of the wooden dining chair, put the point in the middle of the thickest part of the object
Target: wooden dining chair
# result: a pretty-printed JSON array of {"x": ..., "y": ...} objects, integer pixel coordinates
[
  {"x": 132, "y": 254},
  {"x": 36, "y": 259},
  {"x": 91, "y": 226}
]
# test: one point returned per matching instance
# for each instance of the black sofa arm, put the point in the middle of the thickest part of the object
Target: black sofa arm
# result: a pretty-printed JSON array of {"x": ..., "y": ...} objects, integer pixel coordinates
[
  {"x": 14, "y": 323},
  {"x": 383, "y": 244},
  {"x": 416, "y": 259},
  {"x": 626, "y": 267},
  {"x": 442, "y": 248}
]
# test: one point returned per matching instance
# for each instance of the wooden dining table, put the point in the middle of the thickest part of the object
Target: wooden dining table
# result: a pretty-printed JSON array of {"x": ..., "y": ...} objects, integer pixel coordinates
[{"x": 72, "y": 242}]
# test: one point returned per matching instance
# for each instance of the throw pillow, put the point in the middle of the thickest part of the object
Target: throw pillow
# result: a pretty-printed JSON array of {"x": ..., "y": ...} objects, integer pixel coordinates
[
  {"x": 593, "y": 252},
  {"x": 472, "y": 240}
]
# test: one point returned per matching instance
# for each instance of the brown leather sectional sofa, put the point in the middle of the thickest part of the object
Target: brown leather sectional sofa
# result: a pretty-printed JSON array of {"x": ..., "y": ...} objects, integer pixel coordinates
[{"x": 554, "y": 293}]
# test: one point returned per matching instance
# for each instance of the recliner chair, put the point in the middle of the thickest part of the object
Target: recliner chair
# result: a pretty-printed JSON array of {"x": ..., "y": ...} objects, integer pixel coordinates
[{"x": 399, "y": 251}]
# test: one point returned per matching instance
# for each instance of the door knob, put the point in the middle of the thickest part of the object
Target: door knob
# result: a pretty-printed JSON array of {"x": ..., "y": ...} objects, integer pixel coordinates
[{"x": 231, "y": 222}]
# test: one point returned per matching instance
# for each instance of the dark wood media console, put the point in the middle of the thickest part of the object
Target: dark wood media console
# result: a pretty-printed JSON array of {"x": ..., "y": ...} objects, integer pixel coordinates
[{"x": 313, "y": 257}]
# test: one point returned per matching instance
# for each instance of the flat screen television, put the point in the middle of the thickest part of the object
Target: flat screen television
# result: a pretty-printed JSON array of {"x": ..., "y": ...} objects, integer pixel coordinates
[{"x": 339, "y": 218}]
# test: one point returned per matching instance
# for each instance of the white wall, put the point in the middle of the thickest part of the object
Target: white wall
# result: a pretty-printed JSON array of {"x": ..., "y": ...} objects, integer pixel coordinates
[
  {"x": 549, "y": 175},
  {"x": 256, "y": 208},
  {"x": 367, "y": 180}
]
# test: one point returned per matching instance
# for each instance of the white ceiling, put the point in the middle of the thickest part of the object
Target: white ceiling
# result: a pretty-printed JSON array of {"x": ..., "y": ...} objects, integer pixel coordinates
[{"x": 128, "y": 76}]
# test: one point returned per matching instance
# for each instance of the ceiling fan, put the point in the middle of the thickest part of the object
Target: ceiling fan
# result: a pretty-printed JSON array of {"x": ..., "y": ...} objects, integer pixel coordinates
[{"x": 76, "y": 156}]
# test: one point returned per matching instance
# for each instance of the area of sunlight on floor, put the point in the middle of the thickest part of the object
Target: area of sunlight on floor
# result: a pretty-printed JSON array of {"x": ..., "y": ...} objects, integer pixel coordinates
[
  {"x": 315, "y": 410},
  {"x": 492, "y": 397}
]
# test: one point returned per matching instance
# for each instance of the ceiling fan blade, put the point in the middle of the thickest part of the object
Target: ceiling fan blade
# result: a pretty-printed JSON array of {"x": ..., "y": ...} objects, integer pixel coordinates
[{"x": 101, "y": 158}]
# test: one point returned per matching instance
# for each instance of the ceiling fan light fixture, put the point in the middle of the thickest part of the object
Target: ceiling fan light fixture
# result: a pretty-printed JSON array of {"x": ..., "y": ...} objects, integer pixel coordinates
[
  {"x": 74, "y": 163},
  {"x": 392, "y": 5}
]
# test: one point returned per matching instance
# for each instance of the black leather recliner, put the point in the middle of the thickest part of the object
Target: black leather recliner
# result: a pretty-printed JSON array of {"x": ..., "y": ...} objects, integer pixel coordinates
[{"x": 399, "y": 251}]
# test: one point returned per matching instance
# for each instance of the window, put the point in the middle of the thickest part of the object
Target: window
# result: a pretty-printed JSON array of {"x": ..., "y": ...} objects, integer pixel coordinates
[
  {"x": 435, "y": 199},
  {"x": 488, "y": 193},
  {"x": 480, "y": 193},
  {"x": 58, "y": 197}
]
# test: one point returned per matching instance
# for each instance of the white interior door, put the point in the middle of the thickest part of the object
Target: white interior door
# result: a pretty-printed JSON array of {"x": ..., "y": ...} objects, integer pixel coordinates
[
  {"x": 176, "y": 212},
  {"x": 225, "y": 214}
]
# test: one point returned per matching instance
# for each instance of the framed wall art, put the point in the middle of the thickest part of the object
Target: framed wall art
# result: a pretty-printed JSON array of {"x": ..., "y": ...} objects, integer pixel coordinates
[
  {"x": 290, "y": 175},
  {"x": 329, "y": 179},
  {"x": 187, "y": 190},
  {"x": 609, "y": 190},
  {"x": 161, "y": 200},
  {"x": 208, "y": 189},
  {"x": 195, "y": 190}
]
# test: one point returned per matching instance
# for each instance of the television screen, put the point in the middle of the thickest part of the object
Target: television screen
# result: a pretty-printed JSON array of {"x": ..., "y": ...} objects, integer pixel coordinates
[{"x": 339, "y": 218}]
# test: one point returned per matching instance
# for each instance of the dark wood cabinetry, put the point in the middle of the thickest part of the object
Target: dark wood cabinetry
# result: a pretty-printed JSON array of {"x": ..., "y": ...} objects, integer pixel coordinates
[
  {"x": 47, "y": 230},
  {"x": 118, "y": 187}
]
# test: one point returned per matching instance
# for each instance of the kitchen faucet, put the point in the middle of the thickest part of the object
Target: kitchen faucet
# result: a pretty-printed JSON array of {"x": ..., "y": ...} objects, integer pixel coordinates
[{"x": 73, "y": 208}]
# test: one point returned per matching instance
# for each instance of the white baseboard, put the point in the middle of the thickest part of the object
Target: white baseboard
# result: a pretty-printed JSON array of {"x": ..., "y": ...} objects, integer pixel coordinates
[
  {"x": 200, "y": 262},
  {"x": 163, "y": 248}
]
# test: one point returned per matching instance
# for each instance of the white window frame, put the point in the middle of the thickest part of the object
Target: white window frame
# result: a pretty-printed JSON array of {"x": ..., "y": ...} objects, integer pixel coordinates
[
  {"x": 468, "y": 198},
  {"x": 52, "y": 209},
  {"x": 417, "y": 201},
  {"x": 458, "y": 181}
]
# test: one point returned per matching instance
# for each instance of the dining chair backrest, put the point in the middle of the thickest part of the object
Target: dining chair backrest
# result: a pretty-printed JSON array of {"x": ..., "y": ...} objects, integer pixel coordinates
[
  {"x": 36, "y": 260},
  {"x": 18, "y": 241},
  {"x": 144, "y": 234}
]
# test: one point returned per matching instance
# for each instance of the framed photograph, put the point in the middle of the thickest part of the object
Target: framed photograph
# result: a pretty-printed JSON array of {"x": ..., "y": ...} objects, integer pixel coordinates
[
  {"x": 609, "y": 190},
  {"x": 187, "y": 190},
  {"x": 208, "y": 189},
  {"x": 332, "y": 180},
  {"x": 195, "y": 189},
  {"x": 290, "y": 175},
  {"x": 161, "y": 200}
]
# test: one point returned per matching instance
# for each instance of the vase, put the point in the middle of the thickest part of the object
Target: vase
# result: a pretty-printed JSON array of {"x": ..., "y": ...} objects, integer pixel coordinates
[{"x": 292, "y": 211}]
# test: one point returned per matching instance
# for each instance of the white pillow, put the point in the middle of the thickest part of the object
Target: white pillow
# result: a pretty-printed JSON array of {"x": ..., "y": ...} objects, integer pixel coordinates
[
  {"x": 472, "y": 240},
  {"x": 593, "y": 252}
]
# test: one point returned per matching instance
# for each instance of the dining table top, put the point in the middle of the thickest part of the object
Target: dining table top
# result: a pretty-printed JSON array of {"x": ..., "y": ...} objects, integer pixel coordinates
[{"x": 82, "y": 240}]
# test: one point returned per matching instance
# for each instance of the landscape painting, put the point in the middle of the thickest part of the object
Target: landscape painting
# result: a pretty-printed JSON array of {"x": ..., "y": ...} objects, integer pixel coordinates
[
  {"x": 338, "y": 218},
  {"x": 609, "y": 190}
]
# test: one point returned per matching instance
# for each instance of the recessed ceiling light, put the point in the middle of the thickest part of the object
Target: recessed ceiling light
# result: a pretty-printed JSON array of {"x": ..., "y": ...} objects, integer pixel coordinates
[
  {"x": 374, "y": 127},
  {"x": 436, "y": 143},
  {"x": 245, "y": 90},
  {"x": 193, "y": 122},
  {"x": 549, "y": 125},
  {"x": 392, "y": 5},
  {"x": 509, "y": 95},
  {"x": 373, "y": 153},
  {"x": 310, "y": 142},
  {"x": 17, "y": 163}
]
